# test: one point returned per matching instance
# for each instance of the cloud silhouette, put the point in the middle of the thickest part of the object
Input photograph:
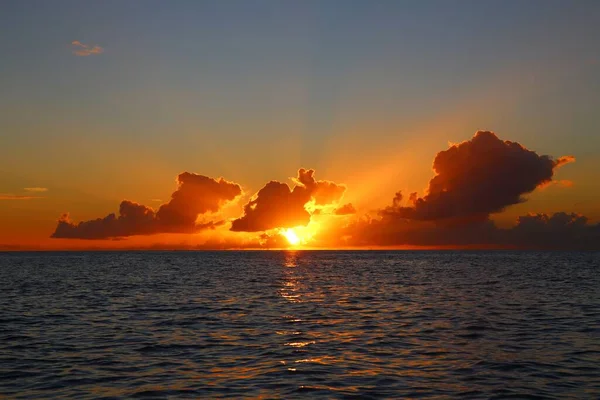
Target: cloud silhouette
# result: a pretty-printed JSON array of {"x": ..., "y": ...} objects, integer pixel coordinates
[
  {"x": 278, "y": 206},
  {"x": 195, "y": 195},
  {"x": 473, "y": 180},
  {"x": 80, "y": 49},
  {"x": 534, "y": 231},
  {"x": 478, "y": 177},
  {"x": 346, "y": 209},
  {"x": 560, "y": 230}
]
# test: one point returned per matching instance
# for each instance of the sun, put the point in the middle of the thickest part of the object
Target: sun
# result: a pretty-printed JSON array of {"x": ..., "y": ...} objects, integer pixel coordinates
[
  {"x": 291, "y": 237},
  {"x": 299, "y": 235}
]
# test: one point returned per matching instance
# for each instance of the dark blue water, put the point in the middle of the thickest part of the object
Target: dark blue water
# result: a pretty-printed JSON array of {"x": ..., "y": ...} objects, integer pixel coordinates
[{"x": 300, "y": 325}]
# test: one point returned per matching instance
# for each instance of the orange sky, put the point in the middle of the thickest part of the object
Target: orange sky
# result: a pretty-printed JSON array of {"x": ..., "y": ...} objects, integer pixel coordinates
[
  {"x": 98, "y": 106},
  {"x": 223, "y": 214}
]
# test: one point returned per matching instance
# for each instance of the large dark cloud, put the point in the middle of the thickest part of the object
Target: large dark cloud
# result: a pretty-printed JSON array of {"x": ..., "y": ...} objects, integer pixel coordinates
[
  {"x": 473, "y": 180},
  {"x": 195, "y": 195},
  {"x": 278, "y": 206},
  {"x": 477, "y": 177}
]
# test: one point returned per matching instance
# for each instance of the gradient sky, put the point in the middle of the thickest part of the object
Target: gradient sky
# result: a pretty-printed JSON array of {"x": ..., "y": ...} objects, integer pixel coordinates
[{"x": 364, "y": 92}]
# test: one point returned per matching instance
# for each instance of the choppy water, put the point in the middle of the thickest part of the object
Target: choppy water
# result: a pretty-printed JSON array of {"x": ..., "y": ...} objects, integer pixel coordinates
[{"x": 300, "y": 324}]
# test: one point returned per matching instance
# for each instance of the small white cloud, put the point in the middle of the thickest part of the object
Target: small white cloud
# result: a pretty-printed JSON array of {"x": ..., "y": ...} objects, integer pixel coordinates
[
  {"x": 80, "y": 49},
  {"x": 36, "y": 189}
]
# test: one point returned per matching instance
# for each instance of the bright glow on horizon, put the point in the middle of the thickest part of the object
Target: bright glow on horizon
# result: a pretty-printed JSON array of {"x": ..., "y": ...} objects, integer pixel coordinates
[{"x": 291, "y": 237}]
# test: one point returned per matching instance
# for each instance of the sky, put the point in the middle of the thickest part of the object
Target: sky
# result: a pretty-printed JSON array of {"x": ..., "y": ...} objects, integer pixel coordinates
[{"x": 107, "y": 101}]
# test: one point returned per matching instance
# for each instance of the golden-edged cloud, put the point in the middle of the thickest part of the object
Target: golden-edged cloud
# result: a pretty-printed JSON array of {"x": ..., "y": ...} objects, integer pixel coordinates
[
  {"x": 195, "y": 195},
  {"x": 278, "y": 206},
  {"x": 473, "y": 180},
  {"x": 478, "y": 177},
  {"x": 80, "y": 49}
]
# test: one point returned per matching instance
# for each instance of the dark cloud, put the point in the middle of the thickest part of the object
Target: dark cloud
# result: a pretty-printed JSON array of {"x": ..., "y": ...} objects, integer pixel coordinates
[
  {"x": 273, "y": 241},
  {"x": 274, "y": 206},
  {"x": 557, "y": 231},
  {"x": 278, "y": 206},
  {"x": 391, "y": 230},
  {"x": 477, "y": 177},
  {"x": 473, "y": 180},
  {"x": 195, "y": 195},
  {"x": 535, "y": 231},
  {"x": 345, "y": 209}
]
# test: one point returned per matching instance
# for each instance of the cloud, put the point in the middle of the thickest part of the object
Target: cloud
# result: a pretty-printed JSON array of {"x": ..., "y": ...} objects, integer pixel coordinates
[
  {"x": 80, "y": 49},
  {"x": 565, "y": 183},
  {"x": 533, "y": 231},
  {"x": 323, "y": 192},
  {"x": 346, "y": 209},
  {"x": 274, "y": 206},
  {"x": 195, "y": 195},
  {"x": 273, "y": 241},
  {"x": 278, "y": 206},
  {"x": 391, "y": 230},
  {"x": 36, "y": 189},
  {"x": 564, "y": 160},
  {"x": 560, "y": 230},
  {"x": 473, "y": 180},
  {"x": 478, "y": 177},
  {"x": 10, "y": 196}
]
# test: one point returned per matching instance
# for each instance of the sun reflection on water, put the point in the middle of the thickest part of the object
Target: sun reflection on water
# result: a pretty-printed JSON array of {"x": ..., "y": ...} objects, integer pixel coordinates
[
  {"x": 291, "y": 258},
  {"x": 290, "y": 282}
]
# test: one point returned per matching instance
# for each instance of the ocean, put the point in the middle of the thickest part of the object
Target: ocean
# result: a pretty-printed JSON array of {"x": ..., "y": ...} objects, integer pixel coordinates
[{"x": 300, "y": 324}]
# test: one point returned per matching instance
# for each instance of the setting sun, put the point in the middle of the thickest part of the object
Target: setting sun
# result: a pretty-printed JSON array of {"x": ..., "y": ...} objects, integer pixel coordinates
[{"x": 291, "y": 237}]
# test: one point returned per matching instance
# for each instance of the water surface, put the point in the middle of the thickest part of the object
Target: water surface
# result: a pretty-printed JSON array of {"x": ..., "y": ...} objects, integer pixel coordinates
[{"x": 300, "y": 325}]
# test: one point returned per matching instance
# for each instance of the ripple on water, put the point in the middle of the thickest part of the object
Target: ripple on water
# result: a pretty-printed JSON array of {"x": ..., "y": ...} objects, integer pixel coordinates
[{"x": 300, "y": 325}]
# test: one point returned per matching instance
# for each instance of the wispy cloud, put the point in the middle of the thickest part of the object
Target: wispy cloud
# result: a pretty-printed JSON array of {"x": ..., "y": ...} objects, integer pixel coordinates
[
  {"x": 565, "y": 183},
  {"x": 10, "y": 196},
  {"x": 80, "y": 49},
  {"x": 36, "y": 189}
]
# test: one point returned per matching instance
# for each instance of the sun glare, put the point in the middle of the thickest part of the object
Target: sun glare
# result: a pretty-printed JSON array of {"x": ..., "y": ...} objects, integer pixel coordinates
[{"x": 291, "y": 237}]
